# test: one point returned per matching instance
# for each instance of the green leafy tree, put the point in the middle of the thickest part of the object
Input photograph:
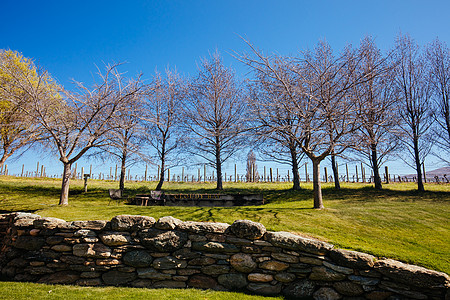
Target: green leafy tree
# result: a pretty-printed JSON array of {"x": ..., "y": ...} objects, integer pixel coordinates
[{"x": 21, "y": 80}]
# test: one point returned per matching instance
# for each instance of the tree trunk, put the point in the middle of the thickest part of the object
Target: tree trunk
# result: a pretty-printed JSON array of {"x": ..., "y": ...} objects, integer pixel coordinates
[
  {"x": 123, "y": 165},
  {"x": 161, "y": 174},
  {"x": 163, "y": 164},
  {"x": 3, "y": 159},
  {"x": 337, "y": 185},
  {"x": 447, "y": 114},
  {"x": 295, "y": 175},
  {"x": 64, "y": 198},
  {"x": 218, "y": 165},
  {"x": 318, "y": 204},
  {"x": 375, "y": 167},
  {"x": 123, "y": 171},
  {"x": 219, "y": 177},
  {"x": 420, "y": 186}
]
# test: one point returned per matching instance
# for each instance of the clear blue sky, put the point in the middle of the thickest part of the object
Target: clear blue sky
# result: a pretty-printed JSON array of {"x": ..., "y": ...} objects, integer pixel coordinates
[{"x": 69, "y": 38}]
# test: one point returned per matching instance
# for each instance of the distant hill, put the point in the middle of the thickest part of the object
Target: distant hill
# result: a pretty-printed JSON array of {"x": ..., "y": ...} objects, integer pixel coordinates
[
  {"x": 438, "y": 172},
  {"x": 431, "y": 174}
]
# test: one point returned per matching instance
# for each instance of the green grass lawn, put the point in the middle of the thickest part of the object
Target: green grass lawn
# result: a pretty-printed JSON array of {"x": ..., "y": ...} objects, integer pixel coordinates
[
  {"x": 21, "y": 290},
  {"x": 396, "y": 223}
]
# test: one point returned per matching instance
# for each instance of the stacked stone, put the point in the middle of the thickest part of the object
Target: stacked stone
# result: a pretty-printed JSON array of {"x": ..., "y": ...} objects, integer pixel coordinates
[
  {"x": 6, "y": 221},
  {"x": 139, "y": 251}
]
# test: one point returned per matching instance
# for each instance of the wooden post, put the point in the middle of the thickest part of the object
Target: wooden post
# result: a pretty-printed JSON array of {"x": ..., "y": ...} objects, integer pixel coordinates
[
  {"x": 86, "y": 176},
  {"x": 337, "y": 173},
  {"x": 271, "y": 178},
  {"x": 424, "y": 174},
  {"x": 306, "y": 173},
  {"x": 253, "y": 173},
  {"x": 264, "y": 173},
  {"x": 386, "y": 170},
  {"x": 145, "y": 174},
  {"x": 346, "y": 169},
  {"x": 357, "y": 178},
  {"x": 363, "y": 173},
  {"x": 235, "y": 173}
]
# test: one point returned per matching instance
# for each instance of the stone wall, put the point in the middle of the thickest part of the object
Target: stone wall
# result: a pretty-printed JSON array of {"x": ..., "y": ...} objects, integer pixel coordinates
[{"x": 139, "y": 251}]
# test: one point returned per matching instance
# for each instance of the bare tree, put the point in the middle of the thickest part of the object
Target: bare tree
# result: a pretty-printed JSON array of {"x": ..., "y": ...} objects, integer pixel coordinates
[
  {"x": 162, "y": 118},
  {"x": 315, "y": 89},
  {"x": 414, "y": 93},
  {"x": 214, "y": 114},
  {"x": 125, "y": 140},
  {"x": 377, "y": 107},
  {"x": 274, "y": 126},
  {"x": 330, "y": 117},
  {"x": 20, "y": 79},
  {"x": 438, "y": 57},
  {"x": 84, "y": 119},
  {"x": 252, "y": 169}
]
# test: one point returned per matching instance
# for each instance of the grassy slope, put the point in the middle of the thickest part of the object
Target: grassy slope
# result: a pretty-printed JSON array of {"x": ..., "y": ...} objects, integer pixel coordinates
[{"x": 396, "y": 222}]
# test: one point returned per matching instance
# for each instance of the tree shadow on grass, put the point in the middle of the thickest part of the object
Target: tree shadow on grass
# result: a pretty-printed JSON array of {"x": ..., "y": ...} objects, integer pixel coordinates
[
  {"x": 30, "y": 190},
  {"x": 3, "y": 211},
  {"x": 330, "y": 194},
  {"x": 351, "y": 195},
  {"x": 370, "y": 194}
]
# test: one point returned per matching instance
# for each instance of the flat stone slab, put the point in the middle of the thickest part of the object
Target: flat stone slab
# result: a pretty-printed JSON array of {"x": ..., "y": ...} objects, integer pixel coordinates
[
  {"x": 352, "y": 259},
  {"x": 131, "y": 222},
  {"x": 203, "y": 227},
  {"x": 214, "y": 247},
  {"x": 295, "y": 242},
  {"x": 411, "y": 274}
]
